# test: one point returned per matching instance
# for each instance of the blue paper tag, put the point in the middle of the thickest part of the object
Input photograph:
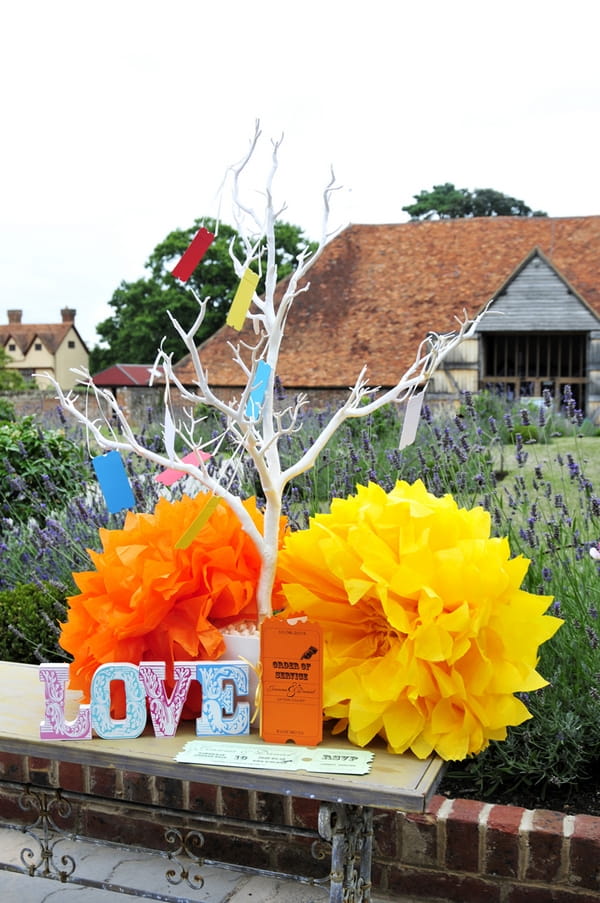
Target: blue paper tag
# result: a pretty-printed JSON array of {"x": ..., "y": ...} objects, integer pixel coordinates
[
  {"x": 258, "y": 391},
  {"x": 113, "y": 481}
]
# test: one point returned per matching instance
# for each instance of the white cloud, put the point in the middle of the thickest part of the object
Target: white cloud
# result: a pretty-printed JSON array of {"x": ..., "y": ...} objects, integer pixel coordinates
[{"x": 120, "y": 119}]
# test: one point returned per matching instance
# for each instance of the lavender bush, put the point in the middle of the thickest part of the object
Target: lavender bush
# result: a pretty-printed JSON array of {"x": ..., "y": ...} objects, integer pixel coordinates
[
  {"x": 487, "y": 453},
  {"x": 526, "y": 464}
]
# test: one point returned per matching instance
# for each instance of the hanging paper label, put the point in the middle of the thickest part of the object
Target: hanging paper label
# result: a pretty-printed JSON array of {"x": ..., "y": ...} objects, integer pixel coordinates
[
  {"x": 241, "y": 301},
  {"x": 170, "y": 475},
  {"x": 194, "y": 528},
  {"x": 411, "y": 420},
  {"x": 169, "y": 431},
  {"x": 276, "y": 757},
  {"x": 292, "y": 681},
  {"x": 200, "y": 244},
  {"x": 114, "y": 482},
  {"x": 258, "y": 391}
]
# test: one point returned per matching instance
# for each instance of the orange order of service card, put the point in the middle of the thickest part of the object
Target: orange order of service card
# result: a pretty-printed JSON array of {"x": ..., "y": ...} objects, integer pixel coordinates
[{"x": 292, "y": 680}]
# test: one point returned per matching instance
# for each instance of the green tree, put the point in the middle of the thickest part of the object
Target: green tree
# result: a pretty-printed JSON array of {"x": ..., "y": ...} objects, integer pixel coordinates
[
  {"x": 447, "y": 202},
  {"x": 134, "y": 331}
]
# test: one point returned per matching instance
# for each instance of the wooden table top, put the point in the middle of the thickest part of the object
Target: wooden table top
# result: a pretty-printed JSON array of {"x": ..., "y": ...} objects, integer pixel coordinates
[{"x": 394, "y": 782}]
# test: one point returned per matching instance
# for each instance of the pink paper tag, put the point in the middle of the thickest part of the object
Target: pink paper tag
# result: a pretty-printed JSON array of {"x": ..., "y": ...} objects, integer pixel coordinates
[{"x": 170, "y": 475}]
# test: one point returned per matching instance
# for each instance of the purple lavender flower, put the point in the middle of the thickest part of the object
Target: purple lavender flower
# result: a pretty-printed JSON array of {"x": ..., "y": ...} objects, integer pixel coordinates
[{"x": 525, "y": 418}]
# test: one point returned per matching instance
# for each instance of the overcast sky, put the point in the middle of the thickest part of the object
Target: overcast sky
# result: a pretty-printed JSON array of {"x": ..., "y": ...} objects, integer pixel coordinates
[{"x": 119, "y": 120}]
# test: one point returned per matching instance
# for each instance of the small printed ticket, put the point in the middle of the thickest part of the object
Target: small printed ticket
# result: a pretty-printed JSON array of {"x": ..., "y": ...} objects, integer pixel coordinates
[{"x": 276, "y": 757}]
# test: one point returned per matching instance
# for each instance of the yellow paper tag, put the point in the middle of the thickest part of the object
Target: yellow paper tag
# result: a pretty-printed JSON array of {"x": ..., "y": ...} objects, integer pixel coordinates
[
  {"x": 194, "y": 528},
  {"x": 241, "y": 301}
]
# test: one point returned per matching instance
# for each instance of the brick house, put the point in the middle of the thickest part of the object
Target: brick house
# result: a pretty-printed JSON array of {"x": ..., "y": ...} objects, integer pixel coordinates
[
  {"x": 50, "y": 348},
  {"x": 377, "y": 290}
]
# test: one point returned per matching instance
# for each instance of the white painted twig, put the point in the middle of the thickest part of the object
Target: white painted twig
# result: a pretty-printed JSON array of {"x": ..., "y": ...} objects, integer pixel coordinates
[{"x": 258, "y": 439}]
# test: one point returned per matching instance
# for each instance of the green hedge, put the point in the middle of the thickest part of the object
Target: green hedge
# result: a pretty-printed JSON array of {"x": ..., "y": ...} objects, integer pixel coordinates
[{"x": 29, "y": 623}]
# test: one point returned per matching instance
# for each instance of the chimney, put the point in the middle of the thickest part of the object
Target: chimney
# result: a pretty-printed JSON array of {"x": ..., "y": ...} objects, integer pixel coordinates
[
  {"x": 68, "y": 315},
  {"x": 14, "y": 316}
]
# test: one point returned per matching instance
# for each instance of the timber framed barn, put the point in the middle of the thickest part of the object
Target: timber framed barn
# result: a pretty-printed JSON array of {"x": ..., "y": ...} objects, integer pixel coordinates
[{"x": 376, "y": 291}]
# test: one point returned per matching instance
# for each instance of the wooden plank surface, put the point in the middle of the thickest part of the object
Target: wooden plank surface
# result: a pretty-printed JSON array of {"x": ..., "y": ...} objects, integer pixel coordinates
[{"x": 394, "y": 782}]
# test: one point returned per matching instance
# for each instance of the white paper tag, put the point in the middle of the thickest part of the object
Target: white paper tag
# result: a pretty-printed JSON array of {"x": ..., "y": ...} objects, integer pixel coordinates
[
  {"x": 411, "y": 420},
  {"x": 169, "y": 435},
  {"x": 276, "y": 757}
]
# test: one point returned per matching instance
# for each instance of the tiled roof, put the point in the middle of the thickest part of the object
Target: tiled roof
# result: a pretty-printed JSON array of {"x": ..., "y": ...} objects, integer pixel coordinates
[
  {"x": 377, "y": 290},
  {"x": 124, "y": 375},
  {"x": 24, "y": 334}
]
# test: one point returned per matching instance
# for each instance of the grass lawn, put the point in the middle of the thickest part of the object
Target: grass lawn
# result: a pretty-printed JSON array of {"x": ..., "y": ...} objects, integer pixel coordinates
[{"x": 584, "y": 451}]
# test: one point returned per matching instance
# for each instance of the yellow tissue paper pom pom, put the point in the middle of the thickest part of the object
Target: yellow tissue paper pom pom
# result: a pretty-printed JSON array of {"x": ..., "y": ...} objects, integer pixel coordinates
[{"x": 427, "y": 633}]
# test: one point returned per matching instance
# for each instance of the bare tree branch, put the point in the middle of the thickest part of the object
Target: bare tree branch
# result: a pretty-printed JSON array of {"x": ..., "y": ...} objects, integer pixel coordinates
[{"x": 258, "y": 437}]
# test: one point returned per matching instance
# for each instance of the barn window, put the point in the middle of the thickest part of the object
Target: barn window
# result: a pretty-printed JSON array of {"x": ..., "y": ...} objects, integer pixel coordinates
[
  {"x": 523, "y": 365},
  {"x": 38, "y": 346}
]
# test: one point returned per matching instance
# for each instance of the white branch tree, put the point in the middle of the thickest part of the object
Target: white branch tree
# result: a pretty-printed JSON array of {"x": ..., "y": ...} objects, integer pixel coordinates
[{"x": 254, "y": 436}]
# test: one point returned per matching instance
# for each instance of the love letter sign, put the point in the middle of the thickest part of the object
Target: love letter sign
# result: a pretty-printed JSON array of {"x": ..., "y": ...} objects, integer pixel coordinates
[{"x": 222, "y": 711}]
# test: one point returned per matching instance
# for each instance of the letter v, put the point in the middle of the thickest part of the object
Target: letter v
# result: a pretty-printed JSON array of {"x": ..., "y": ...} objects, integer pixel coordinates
[{"x": 165, "y": 711}]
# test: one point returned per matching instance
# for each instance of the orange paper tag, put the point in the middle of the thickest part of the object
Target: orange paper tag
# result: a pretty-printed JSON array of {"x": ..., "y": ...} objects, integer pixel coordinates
[{"x": 292, "y": 681}]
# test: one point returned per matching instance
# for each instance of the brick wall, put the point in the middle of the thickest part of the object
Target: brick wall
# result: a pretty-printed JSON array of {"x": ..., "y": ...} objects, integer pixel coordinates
[{"x": 460, "y": 850}]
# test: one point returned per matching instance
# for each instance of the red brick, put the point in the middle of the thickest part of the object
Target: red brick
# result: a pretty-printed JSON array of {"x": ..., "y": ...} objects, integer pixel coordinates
[
  {"x": 386, "y": 834},
  {"x": 10, "y": 811},
  {"x": 235, "y": 802},
  {"x": 99, "y": 822},
  {"x": 269, "y": 808},
  {"x": 379, "y": 876},
  {"x": 296, "y": 858},
  {"x": 237, "y": 850},
  {"x": 103, "y": 782},
  {"x": 585, "y": 852},
  {"x": 305, "y": 812},
  {"x": 418, "y": 839},
  {"x": 547, "y": 894},
  {"x": 429, "y": 885},
  {"x": 169, "y": 793},
  {"x": 42, "y": 772},
  {"x": 545, "y": 840},
  {"x": 144, "y": 830},
  {"x": 502, "y": 841},
  {"x": 203, "y": 798},
  {"x": 435, "y": 804},
  {"x": 138, "y": 788},
  {"x": 71, "y": 776},
  {"x": 462, "y": 836},
  {"x": 12, "y": 767}
]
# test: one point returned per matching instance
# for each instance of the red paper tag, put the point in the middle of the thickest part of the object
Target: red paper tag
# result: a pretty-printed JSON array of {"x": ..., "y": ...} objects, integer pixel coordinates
[
  {"x": 292, "y": 681},
  {"x": 200, "y": 244}
]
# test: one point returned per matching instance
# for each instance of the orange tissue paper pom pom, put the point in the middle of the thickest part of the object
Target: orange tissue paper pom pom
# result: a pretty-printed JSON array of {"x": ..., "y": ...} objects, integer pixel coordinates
[{"x": 148, "y": 600}]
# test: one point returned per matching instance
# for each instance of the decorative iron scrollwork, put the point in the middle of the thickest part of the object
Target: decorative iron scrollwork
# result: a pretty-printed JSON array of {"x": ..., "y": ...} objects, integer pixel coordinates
[
  {"x": 187, "y": 845},
  {"x": 349, "y": 830},
  {"x": 345, "y": 833},
  {"x": 45, "y": 861}
]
